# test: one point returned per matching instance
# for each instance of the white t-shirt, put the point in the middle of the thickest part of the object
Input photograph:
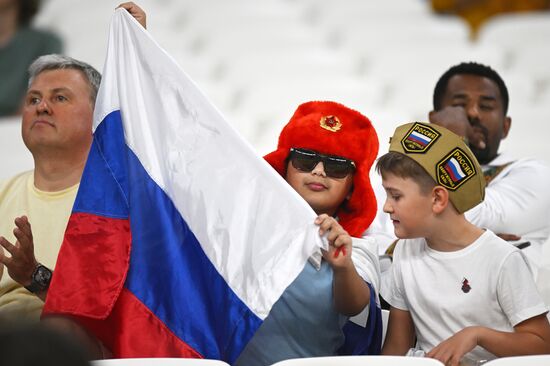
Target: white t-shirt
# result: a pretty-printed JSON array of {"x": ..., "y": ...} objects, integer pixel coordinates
[{"x": 488, "y": 283}]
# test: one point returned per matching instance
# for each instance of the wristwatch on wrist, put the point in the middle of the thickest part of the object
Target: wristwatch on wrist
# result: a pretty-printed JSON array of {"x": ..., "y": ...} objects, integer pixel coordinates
[{"x": 40, "y": 279}]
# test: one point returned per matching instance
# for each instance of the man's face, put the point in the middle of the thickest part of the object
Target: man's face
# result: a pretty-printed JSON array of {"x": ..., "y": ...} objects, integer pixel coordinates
[
  {"x": 57, "y": 114},
  {"x": 481, "y": 99}
]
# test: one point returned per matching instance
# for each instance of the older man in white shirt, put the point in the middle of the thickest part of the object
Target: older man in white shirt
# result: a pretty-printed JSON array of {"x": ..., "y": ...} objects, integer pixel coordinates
[{"x": 472, "y": 100}]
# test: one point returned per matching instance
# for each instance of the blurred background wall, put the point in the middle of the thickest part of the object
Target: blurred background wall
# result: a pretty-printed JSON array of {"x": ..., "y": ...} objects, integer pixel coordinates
[{"x": 257, "y": 60}]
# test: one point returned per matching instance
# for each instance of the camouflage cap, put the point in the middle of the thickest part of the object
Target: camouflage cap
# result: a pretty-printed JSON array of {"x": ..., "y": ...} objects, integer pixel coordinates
[{"x": 446, "y": 158}]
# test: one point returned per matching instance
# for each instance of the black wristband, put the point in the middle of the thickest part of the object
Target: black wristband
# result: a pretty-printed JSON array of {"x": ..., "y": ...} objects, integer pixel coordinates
[{"x": 40, "y": 279}]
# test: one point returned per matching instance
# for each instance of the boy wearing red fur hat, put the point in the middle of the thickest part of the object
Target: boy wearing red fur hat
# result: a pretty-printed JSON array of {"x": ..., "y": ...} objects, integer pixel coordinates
[{"x": 325, "y": 153}]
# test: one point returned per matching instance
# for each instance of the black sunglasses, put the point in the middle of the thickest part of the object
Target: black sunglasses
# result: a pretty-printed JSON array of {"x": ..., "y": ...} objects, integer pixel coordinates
[{"x": 335, "y": 166}]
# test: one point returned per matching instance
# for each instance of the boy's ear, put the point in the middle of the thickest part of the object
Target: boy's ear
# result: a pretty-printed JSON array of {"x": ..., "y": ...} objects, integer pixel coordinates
[{"x": 440, "y": 199}]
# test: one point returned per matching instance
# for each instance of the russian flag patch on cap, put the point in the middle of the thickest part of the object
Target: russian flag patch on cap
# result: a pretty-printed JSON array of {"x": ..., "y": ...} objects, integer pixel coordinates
[
  {"x": 455, "y": 169},
  {"x": 419, "y": 138}
]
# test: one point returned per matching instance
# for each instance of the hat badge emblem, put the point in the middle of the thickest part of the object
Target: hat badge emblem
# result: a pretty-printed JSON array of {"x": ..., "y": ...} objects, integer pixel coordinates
[{"x": 330, "y": 123}]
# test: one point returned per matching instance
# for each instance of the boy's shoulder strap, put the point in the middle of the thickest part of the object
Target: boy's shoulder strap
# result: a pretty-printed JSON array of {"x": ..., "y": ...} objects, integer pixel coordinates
[
  {"x": 391, "y": 248},
  {"x": 494, "y": 170}
]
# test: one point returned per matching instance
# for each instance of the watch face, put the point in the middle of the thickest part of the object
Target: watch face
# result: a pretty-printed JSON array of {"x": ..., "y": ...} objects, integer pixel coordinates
[{"x": 42, "y": 276}]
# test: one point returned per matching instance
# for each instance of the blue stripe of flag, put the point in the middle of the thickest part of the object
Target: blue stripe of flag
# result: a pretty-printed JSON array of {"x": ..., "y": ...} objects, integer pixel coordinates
[{"x": 169, "y": 271}]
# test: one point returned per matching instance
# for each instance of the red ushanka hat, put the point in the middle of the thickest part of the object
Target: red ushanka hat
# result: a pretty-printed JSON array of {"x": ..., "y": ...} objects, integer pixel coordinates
[{"x": 333, "y": 129}]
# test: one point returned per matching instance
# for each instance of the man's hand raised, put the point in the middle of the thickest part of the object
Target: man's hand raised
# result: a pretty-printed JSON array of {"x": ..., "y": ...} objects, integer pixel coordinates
[
  {"x": 456, "y": 120},
  {"x": 136, "y": 12},
  {"x": 22, "y": 262}
]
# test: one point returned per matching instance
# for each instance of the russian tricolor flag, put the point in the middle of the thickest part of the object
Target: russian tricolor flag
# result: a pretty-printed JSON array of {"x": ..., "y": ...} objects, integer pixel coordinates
[
  {"x": 419, "y": 138},
  {"x": 453, "y": 168},
  {"x": 181, "y": 238}
]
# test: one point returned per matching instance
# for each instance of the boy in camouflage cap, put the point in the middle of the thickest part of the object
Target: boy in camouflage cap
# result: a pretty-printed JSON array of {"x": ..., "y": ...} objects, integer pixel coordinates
[{"x": 461, "y": 291}]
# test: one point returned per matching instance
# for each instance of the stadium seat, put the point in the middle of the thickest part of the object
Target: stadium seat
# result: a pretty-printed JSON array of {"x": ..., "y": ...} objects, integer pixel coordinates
[
  {"x": 348, "y": 12},
  {"x": 240, "y": 49},
  {"x": 526, "y": 61},
  {"x": 527, "y": 137},
  {"x": 513, "y": 30},
  {"x": 15, "y": 156},
  {"x": 268, "y": 107},
  {"x": 158, "y": 362},
  {"x": 382, "y": 34},
  {"x": 426, "y": 58},
  {"x": 361, "y": 361},
  {"x": 538, "y": 360}
]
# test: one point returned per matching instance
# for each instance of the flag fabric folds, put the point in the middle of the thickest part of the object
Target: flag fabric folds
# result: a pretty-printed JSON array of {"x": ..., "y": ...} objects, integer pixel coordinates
[{"x": 181, "y": 238}]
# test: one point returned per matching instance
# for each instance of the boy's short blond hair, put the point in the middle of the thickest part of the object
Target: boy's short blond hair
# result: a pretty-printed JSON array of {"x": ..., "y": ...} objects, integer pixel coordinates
[{"x": 405, "y": 167}]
